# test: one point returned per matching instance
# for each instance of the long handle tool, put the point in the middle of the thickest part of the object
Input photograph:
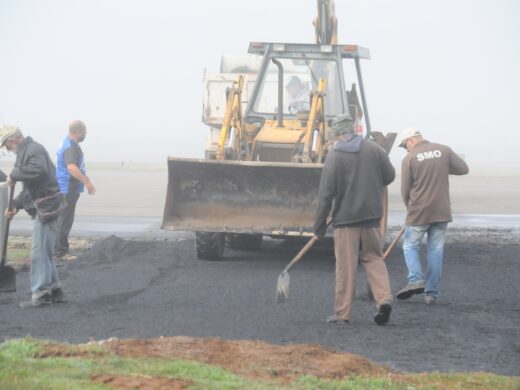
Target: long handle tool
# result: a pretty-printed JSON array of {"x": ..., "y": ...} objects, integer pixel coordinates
[
  {"x": 7, "y": 273},
  {"x": 393, "y": 244},
  {"x": 282, "y": 286}
]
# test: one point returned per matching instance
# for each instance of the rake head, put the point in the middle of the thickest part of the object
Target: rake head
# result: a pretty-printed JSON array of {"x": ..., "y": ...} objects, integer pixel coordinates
[{"x": 282, "y": 287}]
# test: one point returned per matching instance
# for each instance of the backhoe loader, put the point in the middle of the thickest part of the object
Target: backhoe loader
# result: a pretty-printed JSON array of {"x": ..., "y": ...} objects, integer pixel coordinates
[{"x": 263, "y": 163}]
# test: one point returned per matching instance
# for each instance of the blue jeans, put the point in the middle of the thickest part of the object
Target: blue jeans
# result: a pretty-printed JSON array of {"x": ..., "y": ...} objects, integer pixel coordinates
[
  {"x": 44, "y": 277},
  {"x": 436, "y": 237}
]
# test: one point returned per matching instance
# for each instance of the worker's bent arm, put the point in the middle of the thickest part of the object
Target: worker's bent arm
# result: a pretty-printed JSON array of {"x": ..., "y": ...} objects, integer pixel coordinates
[
  {"x": 34, "y": 168},
  {"x": 457, "y": 165},
  {"x": 406, "y": 181},
  {"x": 388, "y": 168},
  {"x": 326, "y": 195},
  {"x": 76, "y": 173}
]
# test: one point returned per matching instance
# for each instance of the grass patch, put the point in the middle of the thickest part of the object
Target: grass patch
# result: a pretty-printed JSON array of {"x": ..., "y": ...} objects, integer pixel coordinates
[
  {"x": 18, "y": 255},
  {"x": 22, "y": 367}
]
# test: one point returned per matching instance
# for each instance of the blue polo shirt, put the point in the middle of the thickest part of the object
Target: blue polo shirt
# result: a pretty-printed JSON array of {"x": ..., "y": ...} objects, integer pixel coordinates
[{"x": 69, "y": 153}]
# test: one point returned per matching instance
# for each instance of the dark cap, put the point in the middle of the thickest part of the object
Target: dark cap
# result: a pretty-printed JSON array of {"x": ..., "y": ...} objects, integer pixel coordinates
[{"x": 342, "y": 124}]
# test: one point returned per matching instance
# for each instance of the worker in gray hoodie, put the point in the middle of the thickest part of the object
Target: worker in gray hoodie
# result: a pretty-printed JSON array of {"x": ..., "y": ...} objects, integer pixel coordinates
[{"x": 352, "y": 184}]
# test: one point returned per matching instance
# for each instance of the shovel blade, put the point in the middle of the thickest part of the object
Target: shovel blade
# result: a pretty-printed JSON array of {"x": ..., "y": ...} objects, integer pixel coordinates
[
  {"x": 282, "y": 287},
  {"x": 7, "y": 279}
]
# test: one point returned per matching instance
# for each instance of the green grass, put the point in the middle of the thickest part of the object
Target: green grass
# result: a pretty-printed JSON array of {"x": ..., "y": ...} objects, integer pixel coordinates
[
  {"x": 22, "y": 368},
  {"x": 18, "y": 255}
]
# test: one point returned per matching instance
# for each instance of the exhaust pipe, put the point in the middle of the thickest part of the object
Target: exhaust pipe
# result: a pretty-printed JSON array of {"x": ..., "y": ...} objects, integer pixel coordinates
[{"x": 280, "y": 91}]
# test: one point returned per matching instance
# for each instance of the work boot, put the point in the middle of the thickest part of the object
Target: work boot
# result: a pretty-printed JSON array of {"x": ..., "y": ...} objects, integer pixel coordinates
[
  {"x": 66, "y": 257},
  {"x": 410, "y": 289},
  {"x": 44, "y": 300},
  {"x": 334, "y": 319},
  {"x": 383, "y": 314},
  {"x": 57, "y": 295}
]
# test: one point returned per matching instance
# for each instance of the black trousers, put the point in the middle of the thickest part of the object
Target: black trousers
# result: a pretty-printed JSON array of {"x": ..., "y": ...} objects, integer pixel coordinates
[{"x": 65, "y": 225}]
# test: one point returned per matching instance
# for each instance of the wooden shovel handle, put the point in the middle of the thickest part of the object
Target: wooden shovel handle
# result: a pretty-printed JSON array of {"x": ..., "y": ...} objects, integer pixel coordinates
[
  {"x": 393, "y": 244},
  {"x": 7, "y": 223},
  {"x": 302, "y": 252}
]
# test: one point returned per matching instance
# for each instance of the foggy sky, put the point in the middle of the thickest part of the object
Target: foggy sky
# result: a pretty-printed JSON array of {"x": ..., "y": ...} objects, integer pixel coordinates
[{"x": 132, "y": 70}]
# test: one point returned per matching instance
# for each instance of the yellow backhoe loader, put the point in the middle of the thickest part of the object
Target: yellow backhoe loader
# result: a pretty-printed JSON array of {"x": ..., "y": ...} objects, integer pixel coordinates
[{"x": 262, "y": 171}]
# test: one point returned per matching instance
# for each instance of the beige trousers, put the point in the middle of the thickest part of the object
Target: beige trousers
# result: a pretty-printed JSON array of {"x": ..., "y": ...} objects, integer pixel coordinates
[{"x": 352, "y": 245}]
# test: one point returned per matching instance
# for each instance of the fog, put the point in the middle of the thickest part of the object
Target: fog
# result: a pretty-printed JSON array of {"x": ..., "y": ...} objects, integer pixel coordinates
[{"x": 132, "y": 70}]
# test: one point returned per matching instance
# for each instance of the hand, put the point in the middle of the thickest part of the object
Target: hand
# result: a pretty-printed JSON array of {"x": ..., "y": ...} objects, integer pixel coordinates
[
  {"x": 10, "y": 181},
  {"x": 10, "y": 213},
  {"x": 90, "y": 188}
]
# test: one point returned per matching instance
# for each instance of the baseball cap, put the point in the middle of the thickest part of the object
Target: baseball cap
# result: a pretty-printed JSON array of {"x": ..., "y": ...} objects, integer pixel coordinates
[
  {"x": 407, "y": 133},
  {"x": 6, "y": 132}
]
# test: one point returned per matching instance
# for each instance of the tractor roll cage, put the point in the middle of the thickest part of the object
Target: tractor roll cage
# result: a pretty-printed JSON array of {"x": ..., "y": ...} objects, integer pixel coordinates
[
  {"x": 345, "y": 51},
  {"x": 336, "y": 53}
]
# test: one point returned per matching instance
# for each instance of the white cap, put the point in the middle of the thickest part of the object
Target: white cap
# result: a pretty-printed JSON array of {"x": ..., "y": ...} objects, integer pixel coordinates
[
  {"x": 6, "y": 132},
  {"x": 407, "y": 133}
]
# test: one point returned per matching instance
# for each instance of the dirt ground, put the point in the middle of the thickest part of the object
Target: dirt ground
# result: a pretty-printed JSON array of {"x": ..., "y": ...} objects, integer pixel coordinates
[
  {"x": 250, "y": 358},
  {"x": 141, "y": 382},
  {"x": 148, "y": 289},
  {"x": 256, "y": 359}
]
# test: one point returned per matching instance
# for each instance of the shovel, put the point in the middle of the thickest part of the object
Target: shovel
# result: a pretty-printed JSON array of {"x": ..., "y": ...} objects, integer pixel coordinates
[
  {"x": 282, "y": 286},
  {"x": 7, "y": 273},
  {"x": 393, "y": 244}
]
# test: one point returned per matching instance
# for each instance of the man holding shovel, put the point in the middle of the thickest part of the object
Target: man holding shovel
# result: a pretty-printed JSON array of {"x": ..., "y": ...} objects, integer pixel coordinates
[
  {"x": 355, "y": 172},
  {"x": 42, "y": 200}
]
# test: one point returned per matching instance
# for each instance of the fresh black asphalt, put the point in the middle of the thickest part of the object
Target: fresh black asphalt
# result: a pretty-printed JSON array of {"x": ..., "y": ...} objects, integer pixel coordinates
[{"x": 145, "y": 289}]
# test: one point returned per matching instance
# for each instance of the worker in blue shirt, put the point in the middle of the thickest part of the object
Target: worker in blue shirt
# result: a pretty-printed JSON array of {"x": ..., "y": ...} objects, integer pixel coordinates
[{"x": 72, "y": 179}]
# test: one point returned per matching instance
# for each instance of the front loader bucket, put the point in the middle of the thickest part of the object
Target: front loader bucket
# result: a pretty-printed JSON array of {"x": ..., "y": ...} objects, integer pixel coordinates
[{"x": 241, "y": 197}]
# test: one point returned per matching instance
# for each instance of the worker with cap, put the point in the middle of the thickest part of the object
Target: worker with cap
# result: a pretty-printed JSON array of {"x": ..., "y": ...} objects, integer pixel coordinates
[
  {"x": 425, "y": 192},
  {"x": 42, "y": 200},
  {"x": 352, "y": 184},
  {"x": 72, "y": 179},
  {"x": 299, "y": 99}
]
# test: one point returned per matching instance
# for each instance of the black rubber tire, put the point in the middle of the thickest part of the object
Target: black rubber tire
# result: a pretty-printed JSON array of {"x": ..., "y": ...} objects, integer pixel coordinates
[
  {"x": 244, "y": 242},
  {"x": 210, "y": 246}
]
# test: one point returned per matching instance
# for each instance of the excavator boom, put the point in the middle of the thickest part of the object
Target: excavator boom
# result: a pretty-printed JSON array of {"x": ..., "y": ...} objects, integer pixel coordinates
[{"x": 326, "y": 24}]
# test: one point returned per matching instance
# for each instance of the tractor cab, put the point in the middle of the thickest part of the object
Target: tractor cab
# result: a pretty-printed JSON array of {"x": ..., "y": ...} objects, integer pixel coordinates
[{"x": 280, "y": 105}]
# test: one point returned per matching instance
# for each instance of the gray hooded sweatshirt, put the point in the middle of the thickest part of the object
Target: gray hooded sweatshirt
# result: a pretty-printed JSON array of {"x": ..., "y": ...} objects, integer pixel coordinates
[{"x": 352, "y": 182}]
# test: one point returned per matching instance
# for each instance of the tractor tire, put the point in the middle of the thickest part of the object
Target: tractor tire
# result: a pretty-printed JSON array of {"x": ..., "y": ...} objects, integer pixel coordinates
[
  {"x": 244, "y": 242},
  {"x": 210, "y": 246}
]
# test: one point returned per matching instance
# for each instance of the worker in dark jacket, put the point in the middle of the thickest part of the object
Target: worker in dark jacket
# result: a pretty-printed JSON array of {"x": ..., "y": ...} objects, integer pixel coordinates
[
  {"x": 425, "y": 192},
  {"x": 355, "y": 172},
  {"x": 41, "y": 198}
]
